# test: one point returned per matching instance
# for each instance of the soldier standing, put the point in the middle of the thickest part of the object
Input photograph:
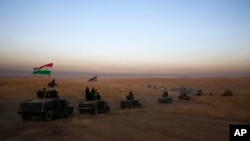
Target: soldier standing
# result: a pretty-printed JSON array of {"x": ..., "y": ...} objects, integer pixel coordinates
[
  {"x": 165, "y": 94},
  {"x": 92, "y": 94},
  {"x": 52, "y": 84},
  {"x": 87, "y": 93},
  {"x": 130, "y": 96}
]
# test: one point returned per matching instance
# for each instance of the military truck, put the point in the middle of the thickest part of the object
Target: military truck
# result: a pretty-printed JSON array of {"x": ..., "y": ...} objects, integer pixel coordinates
[
  {"x": 130, "y": 104},
  {"x": 165, "y": 99},
  {"x": 183, "y": 96},
  {"x": 47, "y": 105},
  {"x": 228, "y": 92},
  {"x": 94, "y": 107},
  {"x": 199, "y": 92}
]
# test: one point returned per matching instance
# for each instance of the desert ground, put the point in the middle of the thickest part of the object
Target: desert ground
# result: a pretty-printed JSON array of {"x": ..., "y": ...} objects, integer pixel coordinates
[{"x": 202, "y": 118}]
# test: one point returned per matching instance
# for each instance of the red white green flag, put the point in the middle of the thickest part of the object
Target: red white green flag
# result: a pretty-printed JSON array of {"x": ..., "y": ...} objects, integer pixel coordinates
[{"x": 43, "y": 70}]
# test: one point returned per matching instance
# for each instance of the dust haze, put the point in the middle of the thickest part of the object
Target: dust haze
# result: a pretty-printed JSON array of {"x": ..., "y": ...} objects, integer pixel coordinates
[{"x": 200, "y": 118}]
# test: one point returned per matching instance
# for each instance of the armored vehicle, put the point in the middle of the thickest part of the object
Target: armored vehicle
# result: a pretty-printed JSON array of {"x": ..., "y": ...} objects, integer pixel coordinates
[
  {"x": 199, "y": 92},
  {"x": 183, "y": 96},
  {"x": 94, "y": 107},
  {"x": 130, "y": 104},
  {"x": 165, "y": 99},
  {"x": 47, "y": 105},
  {"x": 228, "y": 92}
]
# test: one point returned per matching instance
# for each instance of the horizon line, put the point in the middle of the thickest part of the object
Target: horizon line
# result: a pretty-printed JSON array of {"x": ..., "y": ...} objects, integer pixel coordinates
[{"x": 64, "y": 74}]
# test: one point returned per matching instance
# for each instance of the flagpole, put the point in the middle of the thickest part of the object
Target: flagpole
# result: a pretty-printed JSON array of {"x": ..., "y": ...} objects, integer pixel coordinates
[
  {"x": 45, "y": 93},
  {"x": 43, "y": 70}
]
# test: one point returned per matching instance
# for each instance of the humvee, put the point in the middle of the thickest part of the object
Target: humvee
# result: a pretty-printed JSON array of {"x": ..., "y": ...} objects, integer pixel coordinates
[
  {"x": 94, "y": 107},
  {"x": 183, "y": 96},
  {"x": 47, "y": 105},
  {"x": 130, "y": 104},
  {"x": 165, "y": 100},
  {"x": 228, "y": 92},
  {"x": 199, "y": 92}
]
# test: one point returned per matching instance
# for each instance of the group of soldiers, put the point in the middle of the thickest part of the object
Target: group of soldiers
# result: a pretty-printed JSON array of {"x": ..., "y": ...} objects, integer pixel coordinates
[{"x": 92, "y": 94}]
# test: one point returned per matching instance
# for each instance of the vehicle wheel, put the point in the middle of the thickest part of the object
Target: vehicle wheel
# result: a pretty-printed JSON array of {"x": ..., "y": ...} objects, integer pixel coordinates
[
  {"x": 139, "y": 105},
  {"x": 69, "y": 112},
  {"x": 26, "y": 117},
  {"x": 95, "y": 111},
  {"x": 81, "y": 111},
  {"x": 48, "y": 116},
  {"x": 108, "y": 109},
  {"x": 171, "y": 100},
  {"x": 159, "y": 101}
]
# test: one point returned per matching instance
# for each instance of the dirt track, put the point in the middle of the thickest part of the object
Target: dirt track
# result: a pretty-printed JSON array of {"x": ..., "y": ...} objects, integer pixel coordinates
[{"x": 128, "y": 125}]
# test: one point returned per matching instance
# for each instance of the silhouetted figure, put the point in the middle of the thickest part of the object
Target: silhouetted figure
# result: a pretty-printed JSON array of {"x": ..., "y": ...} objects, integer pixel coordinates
[
  {"x": 98, "y": 96},
  {"x": 130, "y": 96},
  {"x": 185, "y": 95},
  {"x": 165, "y": 94},
  {"x": 52, "y": 84},
  {"x": 92, "y": 94},
  {"x": 93, "y": 90},
  {"x": 87, "y": 93}
]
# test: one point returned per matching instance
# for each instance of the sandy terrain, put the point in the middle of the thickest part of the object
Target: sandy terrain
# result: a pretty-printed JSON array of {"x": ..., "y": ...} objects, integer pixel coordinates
[{"x": 203, "y": 118}]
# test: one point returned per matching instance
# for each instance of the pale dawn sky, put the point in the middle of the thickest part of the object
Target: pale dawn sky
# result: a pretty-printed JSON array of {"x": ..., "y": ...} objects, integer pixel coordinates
[{"x": 151, "y": 37}]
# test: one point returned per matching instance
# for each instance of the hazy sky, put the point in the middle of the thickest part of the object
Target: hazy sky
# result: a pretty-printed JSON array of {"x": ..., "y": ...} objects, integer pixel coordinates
[{"x": 158, "y": 37}]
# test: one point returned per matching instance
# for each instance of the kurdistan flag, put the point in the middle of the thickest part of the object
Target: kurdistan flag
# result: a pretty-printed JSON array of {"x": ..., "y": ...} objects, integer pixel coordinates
[{"x": 43, "y": 70}]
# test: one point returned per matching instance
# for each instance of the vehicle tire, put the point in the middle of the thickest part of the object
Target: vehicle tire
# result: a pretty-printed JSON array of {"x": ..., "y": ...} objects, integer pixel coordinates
[
  {"x": 159, "y": 100},
  {"x": 107, "y": 110},
  {"x": 129, "y": 106},
  {"x": 26, "y": 117},
  {"x": 81, "y": 111},
  {"x": 139, "y": 105},
  {"x": 95, "y": 111},
  {"x": 48, "y": 116},
  {"x": 122, "y": 107},
  {"x": 69, "y": 112}
]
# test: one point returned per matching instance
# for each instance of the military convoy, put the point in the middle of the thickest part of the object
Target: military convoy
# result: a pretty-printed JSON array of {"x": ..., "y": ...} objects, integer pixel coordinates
[{"x": 47, "y": 105}]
